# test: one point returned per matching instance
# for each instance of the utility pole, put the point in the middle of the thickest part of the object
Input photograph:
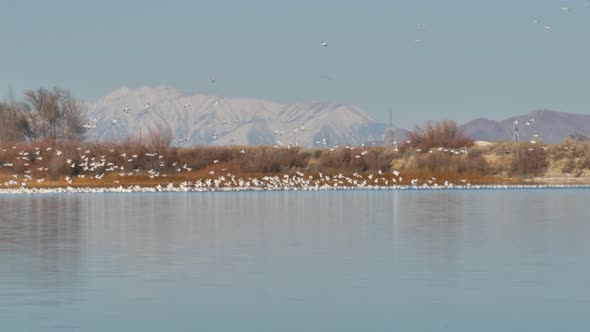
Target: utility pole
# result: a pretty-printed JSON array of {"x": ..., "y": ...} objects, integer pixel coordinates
[{"x": 516, "y": 138}]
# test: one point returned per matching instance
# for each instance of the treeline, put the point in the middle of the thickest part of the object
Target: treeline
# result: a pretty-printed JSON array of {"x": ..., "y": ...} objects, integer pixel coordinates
[{"x": 42, "y": 114}]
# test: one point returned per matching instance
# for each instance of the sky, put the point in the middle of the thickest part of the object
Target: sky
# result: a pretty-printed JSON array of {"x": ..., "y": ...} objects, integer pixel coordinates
[{"x": 420, "y": 59}]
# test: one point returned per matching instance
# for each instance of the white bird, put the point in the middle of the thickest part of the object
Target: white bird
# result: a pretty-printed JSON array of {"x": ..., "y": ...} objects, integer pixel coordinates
[{"x": 324, "y": 44}]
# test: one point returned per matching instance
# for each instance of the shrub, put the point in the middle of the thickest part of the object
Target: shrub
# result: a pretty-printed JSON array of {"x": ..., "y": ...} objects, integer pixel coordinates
[
  {"x": 438, "y": 134},
  {"x": 530, "y": 160}
]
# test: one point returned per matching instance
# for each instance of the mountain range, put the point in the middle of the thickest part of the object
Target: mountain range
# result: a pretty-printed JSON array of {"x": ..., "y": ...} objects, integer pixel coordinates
[
  {"x": 214, "y": 120},
  {"x": 202, "y": 119}
]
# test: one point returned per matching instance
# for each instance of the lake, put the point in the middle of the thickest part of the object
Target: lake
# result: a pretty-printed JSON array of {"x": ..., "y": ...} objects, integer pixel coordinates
[{"x": 448, "y": 260}]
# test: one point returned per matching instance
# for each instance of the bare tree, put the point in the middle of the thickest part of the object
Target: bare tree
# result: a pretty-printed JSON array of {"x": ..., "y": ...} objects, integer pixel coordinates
[
  {"x": 13, "y": 122},
  {"x": 160, "y": 137},
  {"x": 54, "y": 114}
]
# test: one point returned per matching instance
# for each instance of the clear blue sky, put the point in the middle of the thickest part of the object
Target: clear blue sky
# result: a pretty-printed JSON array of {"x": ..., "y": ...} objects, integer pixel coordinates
[{"x": 474, "y": 58}]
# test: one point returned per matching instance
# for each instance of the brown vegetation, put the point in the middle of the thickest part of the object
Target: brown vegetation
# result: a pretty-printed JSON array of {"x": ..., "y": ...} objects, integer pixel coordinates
[
  {"x": 438, "y": 134},
  {"x": 140, "y": 162}
]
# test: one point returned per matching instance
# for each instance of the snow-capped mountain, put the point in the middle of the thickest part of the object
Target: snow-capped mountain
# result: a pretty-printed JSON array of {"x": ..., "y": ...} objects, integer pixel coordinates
[{"x": 202, "y": 119}]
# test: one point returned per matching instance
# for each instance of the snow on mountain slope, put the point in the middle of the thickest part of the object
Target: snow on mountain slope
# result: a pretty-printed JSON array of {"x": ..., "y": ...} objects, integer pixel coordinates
[{"x": 201, "y": 119}]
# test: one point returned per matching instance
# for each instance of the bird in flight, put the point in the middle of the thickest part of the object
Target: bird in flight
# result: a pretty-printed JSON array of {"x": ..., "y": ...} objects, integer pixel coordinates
[{"x": 324, "y": 44}]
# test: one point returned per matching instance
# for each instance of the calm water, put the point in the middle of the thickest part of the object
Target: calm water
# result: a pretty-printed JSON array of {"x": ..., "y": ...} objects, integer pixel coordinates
[{"x": 515, "y": 260}]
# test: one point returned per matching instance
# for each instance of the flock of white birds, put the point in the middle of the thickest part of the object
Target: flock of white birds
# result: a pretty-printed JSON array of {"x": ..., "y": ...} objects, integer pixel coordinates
[
  {"x": 117, "y": 165},
  {"x": 91, "y": 165}
]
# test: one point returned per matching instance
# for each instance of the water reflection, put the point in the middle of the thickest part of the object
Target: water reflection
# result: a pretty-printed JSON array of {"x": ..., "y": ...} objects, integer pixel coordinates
[
  {"x": 41, "y": 249},
  {"x": 271, "y": 261}
]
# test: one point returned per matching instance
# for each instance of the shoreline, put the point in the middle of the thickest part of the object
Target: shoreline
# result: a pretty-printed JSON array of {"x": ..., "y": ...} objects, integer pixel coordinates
[{"x": 195, "y": 189}]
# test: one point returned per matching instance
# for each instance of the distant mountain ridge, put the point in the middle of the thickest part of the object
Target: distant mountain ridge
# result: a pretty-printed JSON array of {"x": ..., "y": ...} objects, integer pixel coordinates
[
  {"x": 202, "y": 119},
  {"x": 552, "y": 127}
]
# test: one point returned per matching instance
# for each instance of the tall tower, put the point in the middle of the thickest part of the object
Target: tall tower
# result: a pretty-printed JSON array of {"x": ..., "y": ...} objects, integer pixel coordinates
[{"x": 389, "y": 132}]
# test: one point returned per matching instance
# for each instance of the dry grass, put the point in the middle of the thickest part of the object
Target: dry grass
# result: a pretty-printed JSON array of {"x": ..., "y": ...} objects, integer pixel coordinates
[{"x": 139, "y": 163}]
